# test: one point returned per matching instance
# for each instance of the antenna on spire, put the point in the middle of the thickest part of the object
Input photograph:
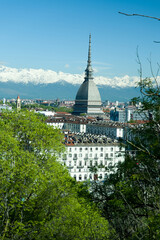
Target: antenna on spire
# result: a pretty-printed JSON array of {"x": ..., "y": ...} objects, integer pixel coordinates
[{"x": 89, "y": 50}]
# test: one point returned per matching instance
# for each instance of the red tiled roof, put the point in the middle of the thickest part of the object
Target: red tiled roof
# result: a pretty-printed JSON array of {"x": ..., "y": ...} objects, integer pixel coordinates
[{"x": 63, "y": 113}]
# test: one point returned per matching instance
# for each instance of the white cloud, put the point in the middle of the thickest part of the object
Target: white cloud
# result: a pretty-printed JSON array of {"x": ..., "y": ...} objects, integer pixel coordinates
[
  {"x": 95, "y": 70},
  {"x": 37, "y": 76}
]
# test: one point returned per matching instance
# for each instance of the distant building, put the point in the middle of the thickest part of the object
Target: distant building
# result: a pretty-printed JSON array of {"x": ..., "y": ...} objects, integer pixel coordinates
[
  {"x": 46, "y": 113},
  {"x": 128, "y": 114},
  {"x": 91, "y": 126},
  {"x": 132, "y": 113},
  {"x": 118, "y": 115},
  {"x": 88, "y": 100},
  {"x": 67, "y": 103},
  {"x": 5, "y": 107},
  {"x": 109, "y": 129},
  {"x": 4, "y": 101},
  {"x": 18, "y": 103}
]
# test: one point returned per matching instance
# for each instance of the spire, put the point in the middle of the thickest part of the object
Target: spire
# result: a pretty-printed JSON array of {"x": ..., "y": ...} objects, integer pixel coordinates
[
  {"x": 89, "y": 51},
  {"x": 89, "y": 70},
  {"x": 18, "y": 102}
]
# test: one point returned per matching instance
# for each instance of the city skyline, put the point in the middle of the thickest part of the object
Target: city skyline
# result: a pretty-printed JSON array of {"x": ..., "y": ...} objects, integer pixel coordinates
[{"x": 47, "y": 41}]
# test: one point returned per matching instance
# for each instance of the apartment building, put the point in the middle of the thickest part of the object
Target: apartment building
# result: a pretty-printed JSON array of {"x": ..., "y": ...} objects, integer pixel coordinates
[{"x": 88, "y": 156}]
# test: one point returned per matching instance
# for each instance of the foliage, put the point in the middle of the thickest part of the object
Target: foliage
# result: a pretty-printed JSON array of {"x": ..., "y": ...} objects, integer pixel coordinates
[
  {"x": 82, "y": 114},
  {"x": 130, "y": 197},
  {"x": 44, "y": 107},
  {"x": 38, "y": 198},
  {"x": 63, "y": 109}
]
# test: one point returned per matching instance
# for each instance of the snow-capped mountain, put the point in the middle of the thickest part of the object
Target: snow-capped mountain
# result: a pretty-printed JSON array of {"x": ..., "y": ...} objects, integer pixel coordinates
[{"x": 62, "y": 90}]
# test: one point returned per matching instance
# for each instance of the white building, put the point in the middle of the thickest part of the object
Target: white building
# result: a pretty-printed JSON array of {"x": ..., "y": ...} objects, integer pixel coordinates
[
  {"x": 86, "y": 153},
  {"x": 109, "y": 129},
  {"x": 46, "y": 113},
  {"x": 75, "y": 127},
  {"x": 5, "y": 107}
]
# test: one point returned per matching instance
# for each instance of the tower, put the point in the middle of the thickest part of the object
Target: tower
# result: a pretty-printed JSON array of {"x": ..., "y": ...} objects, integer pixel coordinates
[
  {"x": 18, "y": 103},
  {"x": 88, "y": 100}
]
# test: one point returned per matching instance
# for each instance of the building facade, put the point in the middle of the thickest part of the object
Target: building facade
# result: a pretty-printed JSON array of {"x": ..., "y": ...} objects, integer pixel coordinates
[
  {"x": 110, "y": 129},
  {"x": 87, "y": 156},
  {"x": 128, "y": 114}
]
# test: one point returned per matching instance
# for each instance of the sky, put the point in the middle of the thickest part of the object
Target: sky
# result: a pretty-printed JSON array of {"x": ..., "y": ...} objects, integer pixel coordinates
[{"x": 43, "y": 40}]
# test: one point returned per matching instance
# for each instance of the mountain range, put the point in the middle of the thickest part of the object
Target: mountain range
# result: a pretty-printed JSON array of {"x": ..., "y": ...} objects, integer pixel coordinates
[{"x": 62, "y": 90}]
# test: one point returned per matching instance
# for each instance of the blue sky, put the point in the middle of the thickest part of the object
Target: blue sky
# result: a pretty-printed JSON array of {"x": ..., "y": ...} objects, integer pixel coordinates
[{"x": 53, "y": 35}]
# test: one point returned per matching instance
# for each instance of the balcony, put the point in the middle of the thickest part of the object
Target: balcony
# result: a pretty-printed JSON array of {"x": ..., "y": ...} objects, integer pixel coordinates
[
  {"x": 69, "y": 167},
  {"x": 80, "y": 167}
]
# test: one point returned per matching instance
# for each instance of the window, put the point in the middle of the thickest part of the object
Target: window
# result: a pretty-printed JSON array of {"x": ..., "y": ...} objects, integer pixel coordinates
[
  {"x": 69, "y": 163},
  {"x": 80, "y": 155},
  {"x": 74, "y": 176},
  {"x": 90, "y": 163},
  {"x": 80, "y": 177},
  {"x": 111, "y": 149},
  {"x": 70, "y": 155},
  {"x": 96, "y": 148},
  {"x": 91, "y": 149},
  {"x": 85, "y": 163},
  {"x": 70, "y": 149},
  {"x": 80, "y": 149},
  {"x": 80, "y": 163},
  {"x": 86, "y": 149},
  {"x": 96, "y": 163},
  {"x": 101, "y": 149},
  {"x": 111, "y": 154},
  {"x": 85, "y": 177},
  {"x": 74, "y": 163},
  {"x": 100, "y": 176},
  {"x": 95, "y": 177},
  {"x": 90, "y": 155},
  {"x": 101, "y": 155},
  {"x": 106, "y": 155},
  {"x": 90, "y": 176}
]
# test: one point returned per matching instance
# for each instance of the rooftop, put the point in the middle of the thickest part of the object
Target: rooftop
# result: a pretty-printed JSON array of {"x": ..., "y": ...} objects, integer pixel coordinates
[{"x": 83, "y": 139}]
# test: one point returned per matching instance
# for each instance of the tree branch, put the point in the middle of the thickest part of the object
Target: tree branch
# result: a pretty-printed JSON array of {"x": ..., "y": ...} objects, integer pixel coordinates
[{"x": 139, "y": 15}]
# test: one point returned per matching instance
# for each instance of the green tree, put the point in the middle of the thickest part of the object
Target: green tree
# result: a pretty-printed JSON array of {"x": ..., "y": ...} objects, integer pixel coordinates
[
  {"x": 38, "y": 198},
  {"x": 130, "y": 197}
]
